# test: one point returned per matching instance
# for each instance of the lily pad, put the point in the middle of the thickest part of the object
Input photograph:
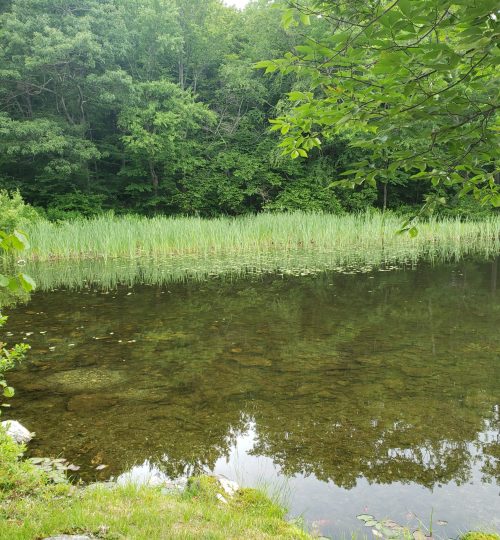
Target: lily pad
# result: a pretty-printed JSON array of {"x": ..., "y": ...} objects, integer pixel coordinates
[{"x": 365, "y": 517}]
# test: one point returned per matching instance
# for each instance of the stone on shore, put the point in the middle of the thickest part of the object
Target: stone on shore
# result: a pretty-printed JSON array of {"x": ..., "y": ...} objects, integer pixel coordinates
[
  {"x": 228, "y": 486},
  {"x": 17, "y": 431}
]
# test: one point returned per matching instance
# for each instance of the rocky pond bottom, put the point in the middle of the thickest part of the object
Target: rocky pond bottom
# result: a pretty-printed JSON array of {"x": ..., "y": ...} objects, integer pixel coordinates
[{"x": 374, "y": 393}]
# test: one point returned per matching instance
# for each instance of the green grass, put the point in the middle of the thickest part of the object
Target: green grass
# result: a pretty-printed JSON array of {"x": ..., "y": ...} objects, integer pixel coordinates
[
  {"x": 362, "y": 235},
  {"x": 31, "y": 508}
]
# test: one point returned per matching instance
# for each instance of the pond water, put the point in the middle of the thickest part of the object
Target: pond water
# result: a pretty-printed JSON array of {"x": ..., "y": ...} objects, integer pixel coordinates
[{"x": 353, "y": 393}]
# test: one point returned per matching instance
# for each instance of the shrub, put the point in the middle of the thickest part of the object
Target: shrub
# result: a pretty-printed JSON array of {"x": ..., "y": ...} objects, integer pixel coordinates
[
  {"x": 14, "y": 212},
  {"x": 75, "y": 205}
]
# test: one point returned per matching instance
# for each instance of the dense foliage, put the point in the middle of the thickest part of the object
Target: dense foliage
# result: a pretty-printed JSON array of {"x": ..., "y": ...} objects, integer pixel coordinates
[
  {"x": 154, "y": 106},
  {"x": 413, "y": 83}
]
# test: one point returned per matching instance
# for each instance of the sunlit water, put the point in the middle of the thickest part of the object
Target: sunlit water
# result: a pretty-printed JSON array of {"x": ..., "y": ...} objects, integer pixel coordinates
[{"x": 346, "y": 393}]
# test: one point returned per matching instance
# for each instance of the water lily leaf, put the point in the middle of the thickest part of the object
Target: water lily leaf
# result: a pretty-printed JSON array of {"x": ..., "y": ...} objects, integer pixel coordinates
[
  {"x": 391, "y": 533},
  {"x": 419, "y": 535},
  {"x": 371, "y": 523},
  {"x": 365, "y": 517},
  {"x": 390, "y": 524}
]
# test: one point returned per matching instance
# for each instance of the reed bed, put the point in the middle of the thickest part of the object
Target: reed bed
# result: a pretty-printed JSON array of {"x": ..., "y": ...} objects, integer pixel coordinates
[{"x": 359, "y": 235}]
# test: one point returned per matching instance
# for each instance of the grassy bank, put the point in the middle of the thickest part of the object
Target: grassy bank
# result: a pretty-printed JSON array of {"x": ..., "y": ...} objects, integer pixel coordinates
[
  {"x": 133, "y": 237},
  {"x": 31, "y": 508}
]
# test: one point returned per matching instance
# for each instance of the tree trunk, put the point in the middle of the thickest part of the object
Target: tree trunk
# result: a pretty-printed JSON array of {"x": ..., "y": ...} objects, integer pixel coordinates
[
  {"x": 385, "y": 198},
  {"x": 154, "y": 176},
  {"x": 181, "y": 73}
]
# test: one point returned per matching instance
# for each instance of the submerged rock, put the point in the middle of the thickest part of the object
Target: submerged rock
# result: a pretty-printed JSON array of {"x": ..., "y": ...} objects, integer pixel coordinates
[
  {"x": 90, "y": 402},
  {"x": 81, "y": 379},
  {"x": 17, "y": 431}
]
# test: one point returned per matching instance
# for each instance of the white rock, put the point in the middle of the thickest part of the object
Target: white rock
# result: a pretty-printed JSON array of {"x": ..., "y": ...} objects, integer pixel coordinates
[
  {"x": 228, "y": 486},
  {"x": 17, "y": 431},
  {"x": 221, "y": 498}
]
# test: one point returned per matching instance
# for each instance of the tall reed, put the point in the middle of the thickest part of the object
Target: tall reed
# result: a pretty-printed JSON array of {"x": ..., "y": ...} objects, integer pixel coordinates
[{"x": 134, "y": 237}]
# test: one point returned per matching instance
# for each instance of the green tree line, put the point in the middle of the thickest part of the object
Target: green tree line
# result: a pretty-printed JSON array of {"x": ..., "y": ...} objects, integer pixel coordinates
[{"x": 156, "y": 106}]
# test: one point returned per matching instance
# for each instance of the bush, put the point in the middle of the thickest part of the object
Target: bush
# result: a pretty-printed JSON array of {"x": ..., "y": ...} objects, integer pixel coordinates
[
  {"x": 14, "y": 212},
  {"x": 304, "y": 196},
  {"x": 75, "y": 205},
  {"x": 465, "y": 207}
]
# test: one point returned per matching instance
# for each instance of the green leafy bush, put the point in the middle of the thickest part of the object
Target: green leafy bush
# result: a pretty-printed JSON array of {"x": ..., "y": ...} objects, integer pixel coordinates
[
  {"x": 14, "y": 212},
  {"x": 75, "y": 205},
  {"x": 302, "y": 195}
]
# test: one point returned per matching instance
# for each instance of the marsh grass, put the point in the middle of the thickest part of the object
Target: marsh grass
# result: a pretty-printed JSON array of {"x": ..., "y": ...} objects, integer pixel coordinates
[
  {"x": 362, "y": 235},
  {"x": 108, "y": 251}
]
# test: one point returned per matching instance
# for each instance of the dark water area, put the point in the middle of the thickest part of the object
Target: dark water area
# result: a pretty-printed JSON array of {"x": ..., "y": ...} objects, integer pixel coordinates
[{"x": 365, "y": 393}]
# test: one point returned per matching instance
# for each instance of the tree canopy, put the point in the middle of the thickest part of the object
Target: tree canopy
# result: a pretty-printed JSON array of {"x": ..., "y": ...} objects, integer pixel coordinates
[
  {"x": 155, "y": 106},
  {"x": 412, "y": 84}
]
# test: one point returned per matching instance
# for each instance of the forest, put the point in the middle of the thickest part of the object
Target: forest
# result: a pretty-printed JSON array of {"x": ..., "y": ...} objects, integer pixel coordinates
[{"x": 164, "y": 107}]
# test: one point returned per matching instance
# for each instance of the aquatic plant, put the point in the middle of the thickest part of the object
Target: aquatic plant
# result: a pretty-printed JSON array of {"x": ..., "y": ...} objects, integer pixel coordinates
[{"x": 361, "y": 235}]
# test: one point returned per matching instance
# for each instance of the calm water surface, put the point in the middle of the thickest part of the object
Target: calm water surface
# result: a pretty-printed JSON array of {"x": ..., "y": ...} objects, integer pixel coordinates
[{"x": 366, "y": 393}]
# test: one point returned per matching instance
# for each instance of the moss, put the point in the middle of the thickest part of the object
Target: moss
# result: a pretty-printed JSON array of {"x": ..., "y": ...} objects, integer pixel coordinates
[{"x": 479, "y": 535}]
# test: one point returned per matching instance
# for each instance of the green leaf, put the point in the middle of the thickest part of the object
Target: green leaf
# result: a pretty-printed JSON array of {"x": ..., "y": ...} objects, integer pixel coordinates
[
  {"x": 27, "y": 282},
  {"x": 8, "y": 392},
  {"x": 22, "y": 239},
  {"x": 413, "y": 232},
  {"x": 305, "y": 19},
  {"x": 4, "y": 281}
]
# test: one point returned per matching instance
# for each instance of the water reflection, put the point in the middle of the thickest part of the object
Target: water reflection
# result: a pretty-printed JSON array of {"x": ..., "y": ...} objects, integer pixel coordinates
[{"x": 374, "y": 384}]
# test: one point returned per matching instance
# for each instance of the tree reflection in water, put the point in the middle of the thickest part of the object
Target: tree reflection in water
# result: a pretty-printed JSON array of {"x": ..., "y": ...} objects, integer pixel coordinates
[{"x": 387, "y": 376}]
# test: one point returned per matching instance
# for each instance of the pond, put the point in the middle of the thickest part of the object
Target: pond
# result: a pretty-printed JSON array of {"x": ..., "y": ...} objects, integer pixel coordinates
[{"x": 347, "y": 393}]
